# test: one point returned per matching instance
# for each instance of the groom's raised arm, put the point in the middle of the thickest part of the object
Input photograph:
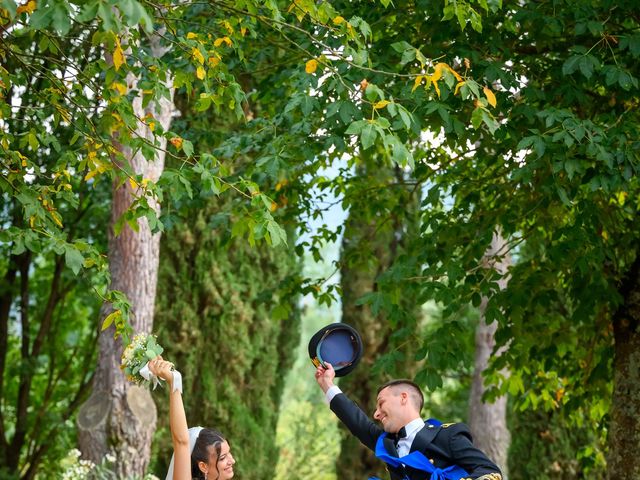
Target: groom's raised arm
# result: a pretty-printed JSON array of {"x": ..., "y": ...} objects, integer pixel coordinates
[{"x": 350, "y": 414}]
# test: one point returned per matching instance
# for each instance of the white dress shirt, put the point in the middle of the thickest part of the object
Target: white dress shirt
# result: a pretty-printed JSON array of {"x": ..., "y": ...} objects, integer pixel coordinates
[{"x": 412, "y": 428}]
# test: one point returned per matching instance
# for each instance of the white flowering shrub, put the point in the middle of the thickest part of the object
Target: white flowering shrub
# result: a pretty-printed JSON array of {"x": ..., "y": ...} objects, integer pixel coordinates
[{"x": 75, "y": 468}]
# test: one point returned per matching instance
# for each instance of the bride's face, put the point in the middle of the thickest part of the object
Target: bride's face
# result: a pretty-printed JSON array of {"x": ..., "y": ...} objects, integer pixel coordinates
[{"x": 223, "y": 464}]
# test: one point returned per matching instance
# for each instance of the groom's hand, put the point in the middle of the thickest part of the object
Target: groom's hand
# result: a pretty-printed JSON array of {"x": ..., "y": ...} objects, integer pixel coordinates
[{"x": 325, "y": 376}]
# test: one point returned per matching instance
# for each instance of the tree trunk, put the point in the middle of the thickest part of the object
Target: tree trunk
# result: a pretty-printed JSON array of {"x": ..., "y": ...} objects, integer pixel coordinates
[
  {"x": 356, "y": 462},
  {"x": 118, "y": 415},
  {"x": 369, "y": 247},
  {"x": 488, "y": 421},
  {"x": 624, "y": 431}
]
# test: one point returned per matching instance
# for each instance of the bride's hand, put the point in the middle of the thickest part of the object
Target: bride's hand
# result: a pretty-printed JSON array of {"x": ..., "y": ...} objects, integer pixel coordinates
[{"x": 161, "y": 369}]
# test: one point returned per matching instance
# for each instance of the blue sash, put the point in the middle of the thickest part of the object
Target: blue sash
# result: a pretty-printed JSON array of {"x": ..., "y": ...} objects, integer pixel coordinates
[{"x": 418, "y": 461}]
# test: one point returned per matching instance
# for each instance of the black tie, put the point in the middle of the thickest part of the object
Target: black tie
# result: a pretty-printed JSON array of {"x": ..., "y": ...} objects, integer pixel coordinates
[{"x": 401, "y": 434}]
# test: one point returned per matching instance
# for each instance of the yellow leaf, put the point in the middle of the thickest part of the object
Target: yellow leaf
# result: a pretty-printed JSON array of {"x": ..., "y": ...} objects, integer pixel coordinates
[
  {"x": 435, "y": 85},
  {"x": 197, "y": 55},
  {"x": 491, "y": 98},
  {"x": 56, "y": 218},
  {"x": 192, "y": 35},
  {"x": 338, "y": 20},
  {"x": 133, "y": 183},
  {"x": 381, "y": 104},
  {"x": 622, "y": 197},
  {"x": 32, "y": 221},
  {"x": 220, "y": 41},
  {"x": 441, "y": 67},
  {"x": 29, "y": 7},
  {"x": 417, "y": 83},
  {"x": 437, "y": 74},
  {"x": 113, "y": 316},
  {"x": 444, "y": 66},
  {"x": 63, "y": 113},
  {"x": 455, "y": 92},
  {"x": 118, "y": 57},
  {"x": 455, "y": 74},
  {"x": 176, "y": 142},
  {"x": 120, "y": 87},
  {"x": 311, "y": 66},
  {"x": 227, "y": 25},
  {"x": 200, "y": 73},
  {"x": 605, "y": 235},
  {"x": 91, "y": 174}
]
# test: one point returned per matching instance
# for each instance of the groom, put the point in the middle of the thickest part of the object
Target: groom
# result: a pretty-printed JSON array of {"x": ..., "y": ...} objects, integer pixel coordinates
[{"x": 411, "y": 448}]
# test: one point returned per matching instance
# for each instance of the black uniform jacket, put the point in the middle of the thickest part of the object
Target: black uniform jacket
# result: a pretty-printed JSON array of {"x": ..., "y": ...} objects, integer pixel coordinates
[{"x": 444, "y": 446}]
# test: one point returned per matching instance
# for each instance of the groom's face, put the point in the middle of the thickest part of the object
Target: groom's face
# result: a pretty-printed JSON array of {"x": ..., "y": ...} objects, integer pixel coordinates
[{"x": 389, "y": 410}]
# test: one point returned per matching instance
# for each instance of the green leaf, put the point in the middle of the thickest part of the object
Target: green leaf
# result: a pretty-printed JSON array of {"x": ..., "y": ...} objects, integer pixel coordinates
[
  {"x": 562, "y": 193},
  {"x": 405, "y": 116},
  {"x": 88, "y": 12},
  {"x": 430, "y": 378},
  {"x": 571, "y": 64},
  {"x": 368, "y": 135},
  {"x": 401, "y": 46},
  {"x": 356, "y": 127},
  {"x": 61, "y": 18},
  {"x": 41, "y": 18},
  {"x": 491, "y": 123},
  {"x": 277, "y": 233},
  {"x": 187, "y": 148},
  {"x": 408, "y": 56},
  {"x": 477, "y": 117},
  {"x": 10, "y": 6},
  {"x": 73, "y": 258}
]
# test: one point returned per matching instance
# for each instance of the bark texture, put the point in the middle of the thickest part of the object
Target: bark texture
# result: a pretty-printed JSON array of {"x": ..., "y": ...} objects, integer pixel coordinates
[
  {"x": 120, "y": 415},
  {"x": 624, "y": 430},
  {"x": 488, "y": 421},
  {"x": 370, "y": 245}
]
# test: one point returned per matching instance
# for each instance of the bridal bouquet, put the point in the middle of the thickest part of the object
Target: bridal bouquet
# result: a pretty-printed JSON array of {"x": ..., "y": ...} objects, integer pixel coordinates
[{"x": 136, "y": 355}]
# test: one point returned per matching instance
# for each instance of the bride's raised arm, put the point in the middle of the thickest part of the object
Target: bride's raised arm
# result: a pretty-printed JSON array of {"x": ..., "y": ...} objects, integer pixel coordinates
[{"x": 177, "y": 421}]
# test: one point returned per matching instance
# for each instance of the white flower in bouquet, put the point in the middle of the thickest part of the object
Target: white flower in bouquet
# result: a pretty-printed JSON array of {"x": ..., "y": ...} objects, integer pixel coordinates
[{"x": 137, "y": 354}]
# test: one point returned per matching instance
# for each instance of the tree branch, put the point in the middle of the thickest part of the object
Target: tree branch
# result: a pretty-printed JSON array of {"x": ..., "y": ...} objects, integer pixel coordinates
[{"x": 22, "y": 403}]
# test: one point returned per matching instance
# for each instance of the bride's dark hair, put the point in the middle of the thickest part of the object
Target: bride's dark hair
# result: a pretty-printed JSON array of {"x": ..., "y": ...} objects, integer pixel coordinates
[{"x": 207, "y": 437}]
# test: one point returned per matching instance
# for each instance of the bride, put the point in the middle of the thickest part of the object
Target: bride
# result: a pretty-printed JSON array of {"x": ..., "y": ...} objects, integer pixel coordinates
[{"x": 198, "y": 453}]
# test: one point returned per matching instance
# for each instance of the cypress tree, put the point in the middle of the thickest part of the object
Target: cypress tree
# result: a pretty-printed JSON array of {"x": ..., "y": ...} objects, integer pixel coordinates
[{"x": 215, "y": 318}]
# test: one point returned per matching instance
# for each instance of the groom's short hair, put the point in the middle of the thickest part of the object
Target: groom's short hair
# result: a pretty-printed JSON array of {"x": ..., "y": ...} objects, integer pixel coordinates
[{"x": 411, "y": 387}]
